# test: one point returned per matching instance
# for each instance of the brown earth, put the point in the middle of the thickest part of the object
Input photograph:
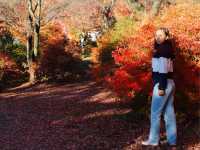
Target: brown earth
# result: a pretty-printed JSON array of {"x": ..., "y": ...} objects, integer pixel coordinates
[{"x": 76, "y": 116}]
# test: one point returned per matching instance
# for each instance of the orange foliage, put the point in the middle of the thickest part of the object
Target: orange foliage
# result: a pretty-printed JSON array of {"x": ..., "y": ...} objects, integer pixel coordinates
[
  {"x": 57, "y": 53},
  {"x": 133, "y": 54},
  {"x": 133, "y": 58},
  {"x": 8, "y": 63},
  {"x": 9, "y": 71},
  {"x": 184, "y": 23},
  {"x": 121, "y": 9}
]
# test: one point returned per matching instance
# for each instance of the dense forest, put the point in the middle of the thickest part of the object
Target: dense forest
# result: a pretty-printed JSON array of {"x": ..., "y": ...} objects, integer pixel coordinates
[{"x": 76, "y": 74}]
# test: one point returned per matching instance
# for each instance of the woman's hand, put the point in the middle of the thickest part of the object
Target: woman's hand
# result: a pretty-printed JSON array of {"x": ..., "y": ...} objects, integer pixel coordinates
[{"x": 161, "y": 92}]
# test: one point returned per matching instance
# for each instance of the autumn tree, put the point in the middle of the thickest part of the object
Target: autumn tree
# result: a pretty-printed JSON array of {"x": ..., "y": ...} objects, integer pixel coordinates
[
  {"x": 25, "y": 18},
  {"x": 151, "y": 7},
  {"x": 33, "y": 32},
  {"x": 107, "y": 14}
]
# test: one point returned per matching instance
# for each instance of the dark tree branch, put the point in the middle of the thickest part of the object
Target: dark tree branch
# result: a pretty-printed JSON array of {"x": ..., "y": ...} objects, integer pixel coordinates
[{"x": 36, "y": 5}]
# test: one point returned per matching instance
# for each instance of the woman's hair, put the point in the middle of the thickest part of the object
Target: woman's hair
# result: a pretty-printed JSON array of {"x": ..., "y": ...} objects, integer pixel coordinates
[
  {"x": 168, "y": 38},
  {"x": 166, "y": 31}
]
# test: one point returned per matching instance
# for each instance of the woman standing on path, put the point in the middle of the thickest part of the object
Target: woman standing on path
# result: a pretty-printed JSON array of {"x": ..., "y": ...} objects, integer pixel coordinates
[{"x": 163, "y": 91}]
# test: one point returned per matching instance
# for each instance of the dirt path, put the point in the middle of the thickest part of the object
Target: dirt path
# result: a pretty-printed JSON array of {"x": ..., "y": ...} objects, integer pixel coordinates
[{"x": 79, "y": 116}]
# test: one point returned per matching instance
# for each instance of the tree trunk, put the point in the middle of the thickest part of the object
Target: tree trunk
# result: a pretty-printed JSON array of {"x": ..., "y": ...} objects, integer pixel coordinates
[
  {"x": 29, "y": 58},
  {"x": 33, "y": 36},
  {"x": 37, "y": 29},
  {"x": 32, "y": 73},
  {"x": 36, "y": 41}
]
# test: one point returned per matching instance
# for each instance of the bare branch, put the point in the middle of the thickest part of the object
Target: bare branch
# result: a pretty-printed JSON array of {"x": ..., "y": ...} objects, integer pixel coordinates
[
  {"x": 36, "y": 5},
  {"x": 56, "y": 13},
  {"x": 30, "y": 9}
]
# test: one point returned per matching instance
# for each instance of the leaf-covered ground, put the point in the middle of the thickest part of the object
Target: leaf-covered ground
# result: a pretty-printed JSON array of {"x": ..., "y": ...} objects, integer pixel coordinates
[{"x": 77, "y": 116}]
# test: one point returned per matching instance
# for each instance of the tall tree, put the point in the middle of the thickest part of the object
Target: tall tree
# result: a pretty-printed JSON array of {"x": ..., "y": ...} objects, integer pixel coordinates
[
  {"x": 33, "y": 35},
  {"x": 25, "y": 18},
  {"x": 107, "y": 14}
]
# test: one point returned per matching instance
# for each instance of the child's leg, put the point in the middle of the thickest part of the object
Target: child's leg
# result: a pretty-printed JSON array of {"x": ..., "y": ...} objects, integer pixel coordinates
[
  {"x": 157, "y": 105},
  {"x": 170, "y": 118}
]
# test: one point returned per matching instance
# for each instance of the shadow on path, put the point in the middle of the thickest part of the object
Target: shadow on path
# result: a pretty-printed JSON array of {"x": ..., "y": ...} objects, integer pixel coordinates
[{"x": 80, "y": 116}]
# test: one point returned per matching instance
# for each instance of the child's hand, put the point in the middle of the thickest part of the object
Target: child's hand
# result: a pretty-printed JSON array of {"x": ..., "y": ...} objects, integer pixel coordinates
[{"x": 161, "y": 92}]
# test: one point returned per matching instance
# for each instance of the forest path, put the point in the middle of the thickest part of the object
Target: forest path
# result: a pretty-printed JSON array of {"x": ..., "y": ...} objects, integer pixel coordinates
[{"x": 76, "y": 116}]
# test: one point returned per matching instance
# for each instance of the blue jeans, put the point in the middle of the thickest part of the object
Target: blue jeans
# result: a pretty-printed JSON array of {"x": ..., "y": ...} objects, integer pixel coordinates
[{"x": 163, "y": 104}]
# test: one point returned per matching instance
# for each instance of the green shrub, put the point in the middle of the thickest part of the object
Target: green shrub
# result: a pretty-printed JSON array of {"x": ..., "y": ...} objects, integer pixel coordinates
[
  {"x": 18, "y": 53},
  {"x": 123, "y": 27},
  {"x": 10, "y": 45}
]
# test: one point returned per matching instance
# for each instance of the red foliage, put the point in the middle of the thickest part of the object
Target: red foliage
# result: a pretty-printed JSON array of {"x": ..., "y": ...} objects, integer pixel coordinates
[
  {"x": 133, "y": 58},
  {"x": 8, "y": 63},
  {"x": 134, "y": 53},
  {"x": 185, "y": 27}
]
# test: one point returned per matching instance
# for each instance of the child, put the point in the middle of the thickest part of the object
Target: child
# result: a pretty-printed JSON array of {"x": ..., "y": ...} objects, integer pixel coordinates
[{"x": 163, "y": 91}]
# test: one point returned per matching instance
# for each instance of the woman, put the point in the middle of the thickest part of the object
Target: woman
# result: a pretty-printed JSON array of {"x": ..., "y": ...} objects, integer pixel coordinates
[{"x": 163, "y": 91}]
